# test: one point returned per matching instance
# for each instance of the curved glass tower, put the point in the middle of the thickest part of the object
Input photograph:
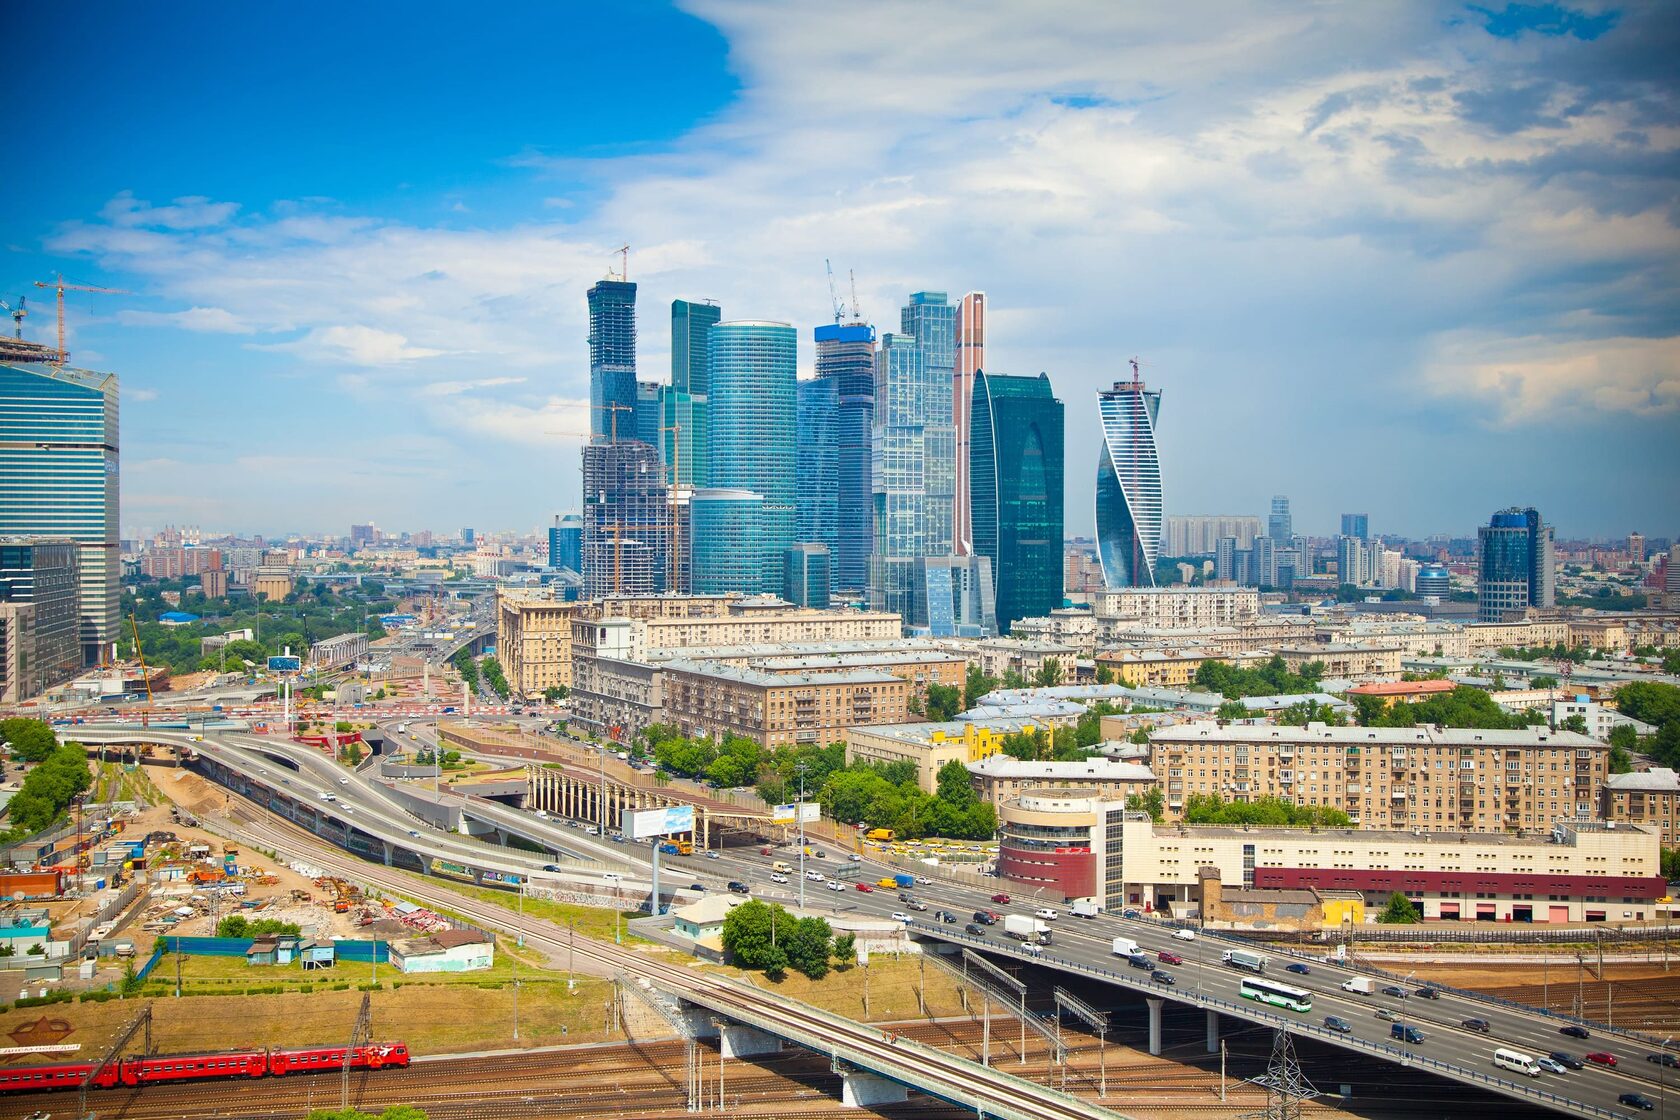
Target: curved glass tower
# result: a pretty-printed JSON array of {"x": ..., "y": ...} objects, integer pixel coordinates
[
  {"x": 754, "y": 427},
  {"x": 726, "y": 542},
  {"x": 1015, "y": 469},
  {"x": 1129, "y": 499}
]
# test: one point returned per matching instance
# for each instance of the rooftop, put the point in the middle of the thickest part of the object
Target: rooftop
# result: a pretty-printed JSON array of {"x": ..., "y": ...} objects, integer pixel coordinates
[
  {"x": 761, "y": 679},
  {"x": 1658, "y": 779},
  {"x": 1096, "y": 769},
  {"x": 1424, "y": 736},
  {"x": 1402, "y": 688},
  {"x": 1393, "y": 835}
]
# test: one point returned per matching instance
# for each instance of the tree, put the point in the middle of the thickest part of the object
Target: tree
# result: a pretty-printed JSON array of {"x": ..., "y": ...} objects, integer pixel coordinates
[
  {"x": 942, "y": 701},
  {"x": 845, "y": 950},
  {"x": 1152, "y": 801},
  {"x": 1576, "y": 723},
  {"x": 975, "y": 685},
  {"x": 556, "y": 693},
  {"x": 395, "y": 1112},
  {"x": 809, "y": 945},
  {"x": 955, "y": 787},
  {"x": 1049, "y": 674},
  {"x": 1399, "y": 911},
  {"x": 31, "y": 740},
  {"x": 1105, "y": 674},
  {"x": 1232, "y": 709},
  {"x": 1542, "y": 680}
]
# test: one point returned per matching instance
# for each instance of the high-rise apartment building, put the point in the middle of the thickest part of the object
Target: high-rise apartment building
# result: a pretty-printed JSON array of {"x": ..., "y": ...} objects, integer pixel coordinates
[
  {"x": 818, "y": 520},
  {"x": 1516, "y": 567},
  {"x": 754, "y": 429},
  {"x": 1015, "y": 468},
  {"x": 612, "y": 359},
  {"x": 1225, "y": 559},
  {"x": 1356, "y": 525},
  {"x": 1356, "y": 562},
  {"x": 1199, "y": 534},
  {"x": 364, "y": 536},
  {"x": 626, "y": 520},
  {"x": 846, "y": 358},
  {"x": 1129, "y": 496},
  {"x": 41, "y": 573},
  {"x": 970, "y": 360},
  {"x": 1279, "y": 526},
  {"x": 59, "y": 478},
  {"x": 1636, "y": 547},
  {"x": 690, "y": 351}
]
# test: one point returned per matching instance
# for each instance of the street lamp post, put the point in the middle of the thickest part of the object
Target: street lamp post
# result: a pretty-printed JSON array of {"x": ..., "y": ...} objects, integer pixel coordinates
[{"x": 799, "y": 815}]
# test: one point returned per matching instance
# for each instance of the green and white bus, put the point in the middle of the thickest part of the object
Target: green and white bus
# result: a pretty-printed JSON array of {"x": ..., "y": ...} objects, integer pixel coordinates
[{"x": 1279, "y": 995}]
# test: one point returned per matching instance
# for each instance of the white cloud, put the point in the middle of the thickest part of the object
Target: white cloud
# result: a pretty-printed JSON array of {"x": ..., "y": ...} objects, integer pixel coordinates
[
  {"x": 192, "y": 212},
  {"x": 1524, "y": 379},
  {"x": 454, "y": 388},
  {"x": 138, "y": 393},
  {"x": 211, "y": 320},
  {"x": 358, "y": 345}
]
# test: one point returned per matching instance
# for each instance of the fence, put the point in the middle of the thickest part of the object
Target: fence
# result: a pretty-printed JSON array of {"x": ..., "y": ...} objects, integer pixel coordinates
[
  {"x": 1472, "y": 934},
  {"x": 359, "y": 952},
  {"x": 110, "y": 910}
]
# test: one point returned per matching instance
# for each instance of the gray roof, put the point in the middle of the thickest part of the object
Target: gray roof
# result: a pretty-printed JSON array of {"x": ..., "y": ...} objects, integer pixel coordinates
[
  {"x": 1658, "y": 779},
  {"x": 1426, "y": 735},
  {"x": 1096, "y": 769}
]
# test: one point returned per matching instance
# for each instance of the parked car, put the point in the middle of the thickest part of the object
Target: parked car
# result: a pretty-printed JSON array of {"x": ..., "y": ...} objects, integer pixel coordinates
[
  {"x": 866, "y": 888},
  {"x": 1565, "y": 1059},
  {"x": 974, "y": 930},
  {"x": 1000, "y": 897},
  {"x": 1636, "y": 1100},
  {"x": 1181, "y": 935},
  {"x": 1480, "y": 1025},
  {"x": 1298, "y": 968},
  {"x": 1395, "y": 990},
  {"x": 1549, "y": 1066},
  {"x": 1161, "y": 976},
  {"x": 1575, "y": 1032},
  {"x": 1167, "y": 956},
  {"x": 1338, "y": 1024}
]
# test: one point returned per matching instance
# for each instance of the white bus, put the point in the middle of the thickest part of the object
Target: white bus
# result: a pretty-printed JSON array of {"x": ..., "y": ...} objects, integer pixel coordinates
[
  {"x": 1279, "y": 995},
  {"x": 1516, "y": 1060}
]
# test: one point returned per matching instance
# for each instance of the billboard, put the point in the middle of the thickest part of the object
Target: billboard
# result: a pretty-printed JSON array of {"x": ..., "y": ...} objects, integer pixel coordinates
[
  {"x": 643, "y": 823},
  {"x": 808, "y": 811},
  {"x": 285, "y": 664}
]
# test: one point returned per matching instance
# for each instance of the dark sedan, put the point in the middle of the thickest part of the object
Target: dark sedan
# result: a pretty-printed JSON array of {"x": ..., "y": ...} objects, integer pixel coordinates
[
  {"x": 1575, "y": 1032},
  {"x": 1636, "y": 1100},
  {"x": 1395, "y": 990},
  {"x": 1565, "y": 1059},
  {"x": 1298, "y": 969}
]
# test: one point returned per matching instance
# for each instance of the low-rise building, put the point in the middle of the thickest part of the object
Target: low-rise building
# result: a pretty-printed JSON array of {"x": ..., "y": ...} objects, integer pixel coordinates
[
  {"x": 932, "y": 745},
  {"x": 1345, "y": 661},
  {"x": 1164, "y": 668},
  {"x": 449, "y": 950},
  {"x": 1648, "y": 797},
  {"x": 1066, "y": 626},
  {"x": 1599, "y": 720},
  {"x": 999, "y": 777},
  {"x": 1515, "y": 635},
  {"x": 1179, "y": 607},
  {"x": 998, "y": 657},
  {"x": 1402, "y": 692},
  {"x": 703, "y": 698}
]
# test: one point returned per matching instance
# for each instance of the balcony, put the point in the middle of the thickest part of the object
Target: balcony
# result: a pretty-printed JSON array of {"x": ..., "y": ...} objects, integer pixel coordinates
[
  {"x": 1354, "y": 789},
  {"x": 1397, "y": 795}
]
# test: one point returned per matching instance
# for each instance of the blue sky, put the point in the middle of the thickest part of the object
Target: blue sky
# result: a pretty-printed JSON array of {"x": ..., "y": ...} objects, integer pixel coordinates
[{"x": 1418, "y": 261}]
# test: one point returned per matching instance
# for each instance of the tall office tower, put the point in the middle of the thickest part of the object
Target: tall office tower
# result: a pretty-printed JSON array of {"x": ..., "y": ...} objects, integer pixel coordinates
[
  {"x": 1129, "y": 493},
  {"x": 970, "y": 360},
  {"x": 467, "y": 537},
  {"x": 59, "y": 478},
  {"x": 648, "y": 420},
  {"x": 754, "y": 428},
  {"x": 846, "y": 357},
  {"x": 726, "y": 542},
  {"x": 1516, "y": 569},
  {"x": 1636, "y": 547},
  {"x": 954, "y": 597},
  {"x": 1225, "y": 559},
  {"x": 1356, "y": 525},
  {"x": 626, "y": 520},
  {"x": 819, "y": 467},
  {"x": 364, "y": 536},
  {"x": 1434, "y": 580},
  {"x": 912, "y": 429},
  {"x": 1263, "y": 562},
  {"x": 1015, "y": 464},
  {"x": 41, "y": 573},
  {"x": 805, "y": 575},
  {"x": 685, "y": 437},
  {"x": 932, "y": 322},
  {"x": 565, "y": 542},
  {"x": 612, "y": 360},
  {"x": 690, "y": 353},
  {"x": 1279, "y": 527}
]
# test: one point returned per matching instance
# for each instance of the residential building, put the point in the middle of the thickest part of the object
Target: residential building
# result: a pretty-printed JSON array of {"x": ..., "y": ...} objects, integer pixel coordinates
[
  {"x": 1129, "y": 496},
  {"x": 1600, "y": 720},
  {"x": 1280, "y": 527},
  {"x": 846, "y": 357},
  {"x": 1402, "y": 692},
  {"x": 1345, "y": 661},
  {"x": 818, "y": 471},
  {"x": 999, "y": 657},
  {"x": 1200, "y": 534},
  {"x": 1242, "y": 637},
  {"x": 338, "y": 652},
  {"x": 1402, "y": 777},
  {"x": 1356, "y": 525},
  {"x": 41, "y": 573},
  {"x": 932, "y": 745},
  {"x": 1515, "y": 635},
  {"x": 179, "y": 563},
  {"x": 727, "y": 542},
  {"x": 60, "y": 478},
  {"x": 615, "y": 698},
  {"x": 1069, "y": 626},
  {"x": 1171, "y": 608},
  {"x": 970, "y": 359},
  {"x": 19, "y": 679},
  {"x": 214, "y": 583},
  {"x": 534, "y": 639},
  {"x": 1516, "y": 565},
  {"x": 776, "y": 709},
  {"x": 612, "y": 363},
  {"x": 1648, "y": 798},
  {"x": 626, "y": 520},
  {"x": 754, "y": 428},
  {"x": 1015, "y": 473},
  {"x": 363, "y": 535},
  {"x": 1000, "y": 777},
  {"x": 807, "y": 575},
  {"x": 1225, "y": 560},
  {"x": 1164, "y": 668}
]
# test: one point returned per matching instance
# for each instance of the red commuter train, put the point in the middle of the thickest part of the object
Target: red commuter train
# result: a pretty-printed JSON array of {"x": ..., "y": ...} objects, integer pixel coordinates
[{"x": 158, "y": 1068}]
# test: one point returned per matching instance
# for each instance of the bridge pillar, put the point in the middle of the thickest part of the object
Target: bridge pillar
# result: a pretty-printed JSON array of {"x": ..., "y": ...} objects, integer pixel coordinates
[
  {"x": 865, "y": 1090},
  {"x": 745, "y": 1042},
  {"x": 701, "y": 1022},
  {"x": 1212, "y": 1032},
  {"x": 386, "y": 845},
  {"x": 1155, "y": 1005}
]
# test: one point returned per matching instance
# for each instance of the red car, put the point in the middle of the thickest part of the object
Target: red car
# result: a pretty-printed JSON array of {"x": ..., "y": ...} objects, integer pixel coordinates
[
  {"x": 1000, "y": 898},
  {"x": 1599, "y": 1057},
  {"x": 866, "y": 888},
  {"x": 1167, "y": 956}
]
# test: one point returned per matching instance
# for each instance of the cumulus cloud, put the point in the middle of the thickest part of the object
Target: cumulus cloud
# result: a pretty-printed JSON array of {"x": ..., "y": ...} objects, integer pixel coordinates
[
  {"x": 1522, "y": 379},
  {"x": 212, "y": 320},
  {"x": 358, "y": 345}
]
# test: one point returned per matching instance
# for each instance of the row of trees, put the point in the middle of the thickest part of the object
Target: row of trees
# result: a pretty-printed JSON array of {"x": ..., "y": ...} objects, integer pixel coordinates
[
  {"x": 1273, "y": 678},
  {"x": 1210, "y": 808},
  {"x": 238, "y": 925},
  {"x": 764, "y": 937},
  {"x": 494, "y": 677},
  {"x": 47, "y": 790},
  {"x": 467, "y": 667},
  {"x": 1464, "y": 706}
]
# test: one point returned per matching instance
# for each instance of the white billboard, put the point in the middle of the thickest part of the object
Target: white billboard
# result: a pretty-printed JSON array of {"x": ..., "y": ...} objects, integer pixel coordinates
[
  {"x": 808, "y": 811},
  {"x": 643, "y": 823}
]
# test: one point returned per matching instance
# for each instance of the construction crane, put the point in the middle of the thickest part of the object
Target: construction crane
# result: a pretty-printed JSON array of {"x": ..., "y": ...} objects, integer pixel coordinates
[
  {"x": 624, "y": 268},
  {"x": 833, "y": 296},
  {"x": 857, "y": 308},
  {"x": 19, "y": 313},
  {"x": 61, "y": 287},
  {"x": 145, "y": 676}
]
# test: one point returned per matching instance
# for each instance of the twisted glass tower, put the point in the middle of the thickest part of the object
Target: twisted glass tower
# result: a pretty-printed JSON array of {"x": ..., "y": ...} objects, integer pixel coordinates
[{"x": 1129, "y": 499}]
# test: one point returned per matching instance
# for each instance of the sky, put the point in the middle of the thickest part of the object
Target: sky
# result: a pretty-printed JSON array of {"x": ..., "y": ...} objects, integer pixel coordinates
[{"x": 1419, "y": 261}]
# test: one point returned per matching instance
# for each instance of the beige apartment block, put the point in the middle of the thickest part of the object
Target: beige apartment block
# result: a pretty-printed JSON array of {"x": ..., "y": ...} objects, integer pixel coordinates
[
  {"x": 534, "y": 640},
  {"x": 1165, "y": 668},
  {"x": 1650, "y": 798},
  {"x": 1179, "y": 607},
  {"x": 704, "y": 699},
  {"x": 1498, "y": 635},
  {"x": 1345, "y": 662}
]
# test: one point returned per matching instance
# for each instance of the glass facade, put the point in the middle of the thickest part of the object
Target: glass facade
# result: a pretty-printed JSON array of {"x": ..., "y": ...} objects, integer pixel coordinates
[
  {"x": 43, "y": 573},
  {"x": 805, "y": 575},
  {"x": 970, "y": 360},
  {"x": 754, "y": 426},
  {"x": 1015, "y": 473},
  {"x": 565, "y": 542},
  {"x": 612, "y": 359},
  {"x": 1356, "y": 525},
  {"x": 626, "y": 520},
  {"x": 648, "y": 420},
  {"x": 819, "y": 468},
  {"x": 846, "y": 359},
  {"x": 954, "y": 597},
  {"x": 1129, "y": 493},
  {"x": 685, "y": 437},
  {"x": 726, "y": 542},
  {"x": 59, "y": 478},
  {"x": 1516, "y": 567},
  {"x": 690, "y": 352},
  {"x": 1280, "y": 526}
]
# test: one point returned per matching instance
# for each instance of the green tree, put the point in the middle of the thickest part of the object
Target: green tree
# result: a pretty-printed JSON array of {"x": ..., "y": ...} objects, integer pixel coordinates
[
  {"x": 556, "y": 693},
  {"x": 1399, "y": 911},
  {"x": 809, "y": 945},
  {"x": 845, "y": 950},
  {"x": 1576, "y": 723},
  {"x": 1152, "y": 801},
  {"x": 1049, "y": 674},
  {"x": 943, "y": 701},
  {"x": 1543, "y": 680},
  {"x": 975, "y": 685},
  {"x": 955, "y": 786},
  {"x": 1650, "y": 702},
  {"x": 1232, "y": 709},
  {"x": 1671, "y": 662},
  {"x": 394, "y": 1112},
  {"x": 1105, "y": 674},
  {"x": 31, "y": 740}
]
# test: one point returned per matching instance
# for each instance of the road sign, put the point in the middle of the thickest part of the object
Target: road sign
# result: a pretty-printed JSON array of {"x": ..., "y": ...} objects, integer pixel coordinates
[
  {"x": 641, "y": 824},
  {"x": 285, "y": 664},
  {"x": 808, "y": 811}
]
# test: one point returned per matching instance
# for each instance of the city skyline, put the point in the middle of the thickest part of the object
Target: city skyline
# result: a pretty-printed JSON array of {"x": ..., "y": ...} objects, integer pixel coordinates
[{"x": 432, "y": 294}]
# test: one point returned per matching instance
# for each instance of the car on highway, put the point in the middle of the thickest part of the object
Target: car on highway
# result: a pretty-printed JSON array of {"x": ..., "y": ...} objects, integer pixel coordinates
[
  {"x": 1181, "y": 935},
  {"x": 1001, "y": 898},
  {"x": 854, "y": 857},
  {"x": 901, "y": 916},
  {"x": 1664, "y": 1059},
  {"x": 1395, "y": 990},
  {"x": 974, "y": 930},
  {"x": 713, "y": 855},
  {"x": 836, "y": 885},
  {"x": 736, "y": 887},
  {"x": 1385, "y": 1013},
  {"x": 1478, "y": 1025},
  {"x": 923, "y": 880},
  {"x": 1162, "y": 976},
  {"x": 1636, "y": 1100},
  {"x": 413, "y": 833},
  {"x": 1575, "y": 1032},
  {"x": 1338, "y": 1024},
  {"x": 1601, "y": 1058},
  {"x": 985, "y": 917},
  {"x": 344, "y": 781},
  {"x": 778, "y": 877},
  {"x": 701, "y": 887},
  {"x": 814, "y": 876},
  {"x": 1045, "y": 913},
  {"x": 916, "y": 904},
  {"x": 866, "y": 888},
  {"x": 1548, "y": 1065},
  {"x": 1167, "y": 956},
  {"x": 1427, "y": 993},
  {"x": 1565, "y": 1059},
  {"x": 1297, "y": 968},
  {"x": 948, "y": 918}
]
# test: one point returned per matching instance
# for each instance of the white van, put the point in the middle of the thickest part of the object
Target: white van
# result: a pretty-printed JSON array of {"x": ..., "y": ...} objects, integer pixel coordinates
[{"x": 1516, "y": 1061}]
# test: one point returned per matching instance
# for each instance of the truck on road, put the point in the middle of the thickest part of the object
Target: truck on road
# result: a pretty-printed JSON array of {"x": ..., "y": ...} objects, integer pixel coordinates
[
  {"x": 1244, "y": 959},
  {"x": 1086, "y": 908},
  {"x": 1359, "y": 986},
  {"x": 904, "y": 882},
  {"x": 1126, "y": 947},
  {"x": 881, "y": 834},
  {"x": 1025, "y": 928}
]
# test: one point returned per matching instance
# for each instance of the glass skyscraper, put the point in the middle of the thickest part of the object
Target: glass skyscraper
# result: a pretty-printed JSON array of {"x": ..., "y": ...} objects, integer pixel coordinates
[
  {"x": 59, "y": 478},
  {"x": 1015, "y": 472},
  {"x": 1516, "y": 569},
  {"x": 42, "y": 572},
  {"x": 648, "y": 420},
  {"x": 819, "y": 469},
  {"x": 970, "y": 360},
  {"x": 754, "y": 427},
  {"x": 690, "y": 352},
  {"x": 684, "y": 437},
  {"x": 1129, "y": 493},
  {"x": 612, "y": 359},
  {"x": 1279, "y": 526},
  {"x": 932, "y": 322},
  {"x": 805, "y": 575},
  {"x": 565, "y": 542},
  {"x": 846, "y": 359},
  {"x": 726, "y": 542},
  {"x": 626, "y": 520},
  {"x": 1356, "y": 525}
]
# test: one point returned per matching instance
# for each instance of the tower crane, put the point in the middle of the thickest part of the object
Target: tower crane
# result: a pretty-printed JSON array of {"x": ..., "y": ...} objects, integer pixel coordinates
[
  {"x": 18, "y": 313},
  {"x": 61, "y": 287},
  {"x": 833, "y": 296}
]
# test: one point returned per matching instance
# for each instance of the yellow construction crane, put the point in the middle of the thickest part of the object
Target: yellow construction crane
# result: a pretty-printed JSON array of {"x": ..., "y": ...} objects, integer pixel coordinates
[
  {"x": 134, "y": 627},
  {"x": 61, "y": 287}
]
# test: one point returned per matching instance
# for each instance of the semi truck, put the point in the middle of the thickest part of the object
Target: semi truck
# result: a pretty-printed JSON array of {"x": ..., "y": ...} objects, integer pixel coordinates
[
  {"x": 1244, "y": 959},
  {"x": 1126, "y": 947},
  {"x": 1024, "y": 928},
  {"x": 1086, "y": 908}
]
